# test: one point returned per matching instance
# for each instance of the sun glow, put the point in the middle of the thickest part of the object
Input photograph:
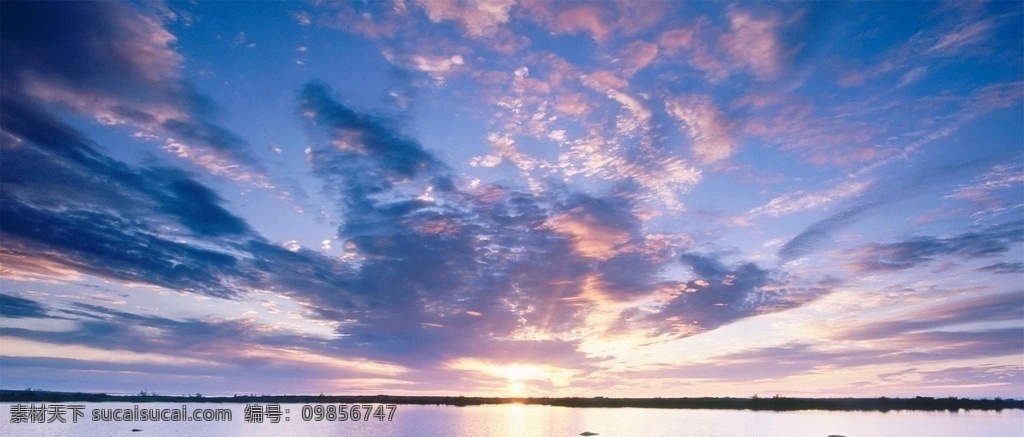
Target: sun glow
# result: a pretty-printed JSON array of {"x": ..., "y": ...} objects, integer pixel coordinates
[
  {"x": 516, "y": 387},
  {"x": 517, "y": 378}
]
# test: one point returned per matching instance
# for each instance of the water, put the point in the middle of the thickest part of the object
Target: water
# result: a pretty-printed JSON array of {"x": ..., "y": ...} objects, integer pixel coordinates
[{"x": 536, "y": 420}]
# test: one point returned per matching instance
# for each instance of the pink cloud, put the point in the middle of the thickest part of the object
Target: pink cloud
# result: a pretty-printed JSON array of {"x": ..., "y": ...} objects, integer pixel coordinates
[
  {"x": 18, "y": 265},
  {"x": 635, "y": 17},
  {"x": 574, "y": 19},
  {"x": 604, "y": 80},
  {"x": 491, "y": 78},
  {"x": 704, "y": 59},
  {"x": 638, "y": 55},
  {"x": 478, "y": 17},
  {"x": 377, "y": 21},
  {"x": 676, "y": 40},
  {"x": 599, "y": 20},
  {"x": 589, "y": 236},
  {"x": 839, "y": 137},
  {"x": 582, "y": 18},
  {"x": 572, "y": 104},
  {"x": 753, "y": 43},
  {"x": 705, "y": 125},
  {"x": 962, "y": 36},
  {"x": 505, "y": 42},
  {"x": 217, "y": 163},
  {"x": 758, "y": 101},
  {"x": 912, "y": 76},
  {"x": 504, "y": 149},
  {"x": 851, "y": 79}
]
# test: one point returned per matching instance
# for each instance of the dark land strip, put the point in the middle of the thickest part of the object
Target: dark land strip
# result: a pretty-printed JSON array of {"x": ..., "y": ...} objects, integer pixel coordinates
[{"x": 918, "y": 403}]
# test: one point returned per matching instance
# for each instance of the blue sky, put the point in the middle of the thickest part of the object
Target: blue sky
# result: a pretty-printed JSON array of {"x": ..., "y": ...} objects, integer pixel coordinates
[{"x": 513, "y": 198}]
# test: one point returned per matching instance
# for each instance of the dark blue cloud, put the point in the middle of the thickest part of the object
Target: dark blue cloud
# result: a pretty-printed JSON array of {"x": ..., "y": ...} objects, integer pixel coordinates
[
  {"x": 194, "y": 205},
  {"x": 15, "y": 307},
  {"x": 1004, "y": 268},
  {"x": 108, "y": 59},
  {"x": 820, "y": 232},
  {"x": 111, "y": 247},
  {"x": 81, "y": 45},
  {"x": 57, "y": 165},
  {"x": 65, "y": 202},
  {"x": 366, "y": 144},
  {"x": 717, "y": 295},
  {"x": 985, "y": 243}
]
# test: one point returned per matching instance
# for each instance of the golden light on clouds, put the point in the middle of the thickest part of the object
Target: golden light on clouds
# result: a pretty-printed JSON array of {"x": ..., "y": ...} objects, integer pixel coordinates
[{"x": 589, "y": 237}]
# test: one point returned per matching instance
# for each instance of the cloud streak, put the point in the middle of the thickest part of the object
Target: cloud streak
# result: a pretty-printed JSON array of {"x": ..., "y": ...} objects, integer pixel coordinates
[{"x": 984, "y": 243}]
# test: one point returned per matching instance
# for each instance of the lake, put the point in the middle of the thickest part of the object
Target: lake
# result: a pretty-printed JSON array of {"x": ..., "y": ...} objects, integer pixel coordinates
[{"x": 525, "y": 420}]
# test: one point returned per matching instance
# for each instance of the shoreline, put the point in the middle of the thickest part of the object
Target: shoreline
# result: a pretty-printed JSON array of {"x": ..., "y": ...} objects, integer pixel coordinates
[{"x": 881, "y": 404}]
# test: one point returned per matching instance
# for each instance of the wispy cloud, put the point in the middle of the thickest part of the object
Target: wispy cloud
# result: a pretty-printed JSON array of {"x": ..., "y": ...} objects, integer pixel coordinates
[
  {"x": 879, "y": 194},
  {"x": 963, "y": 35},
  {"x": 800, "y": 200},
  {"x": 992, "y": 308}
]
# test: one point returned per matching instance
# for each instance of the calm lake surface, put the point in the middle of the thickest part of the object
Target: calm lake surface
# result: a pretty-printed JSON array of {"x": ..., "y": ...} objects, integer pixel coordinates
[{"x": 537, "y": 420}]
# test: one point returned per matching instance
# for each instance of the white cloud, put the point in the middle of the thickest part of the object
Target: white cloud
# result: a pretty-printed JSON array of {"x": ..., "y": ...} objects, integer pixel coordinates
[
  {"x": 964, "y": 35},
  {"x": 801, "y": 200},
  {"x": 436, "y": 65},
  {"x": 291, "y": 245},
  {"x": 636, "y": 122}
]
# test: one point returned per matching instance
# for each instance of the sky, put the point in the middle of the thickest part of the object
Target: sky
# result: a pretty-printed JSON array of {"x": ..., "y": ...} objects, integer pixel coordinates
[{"x": 513, "y": 198}]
